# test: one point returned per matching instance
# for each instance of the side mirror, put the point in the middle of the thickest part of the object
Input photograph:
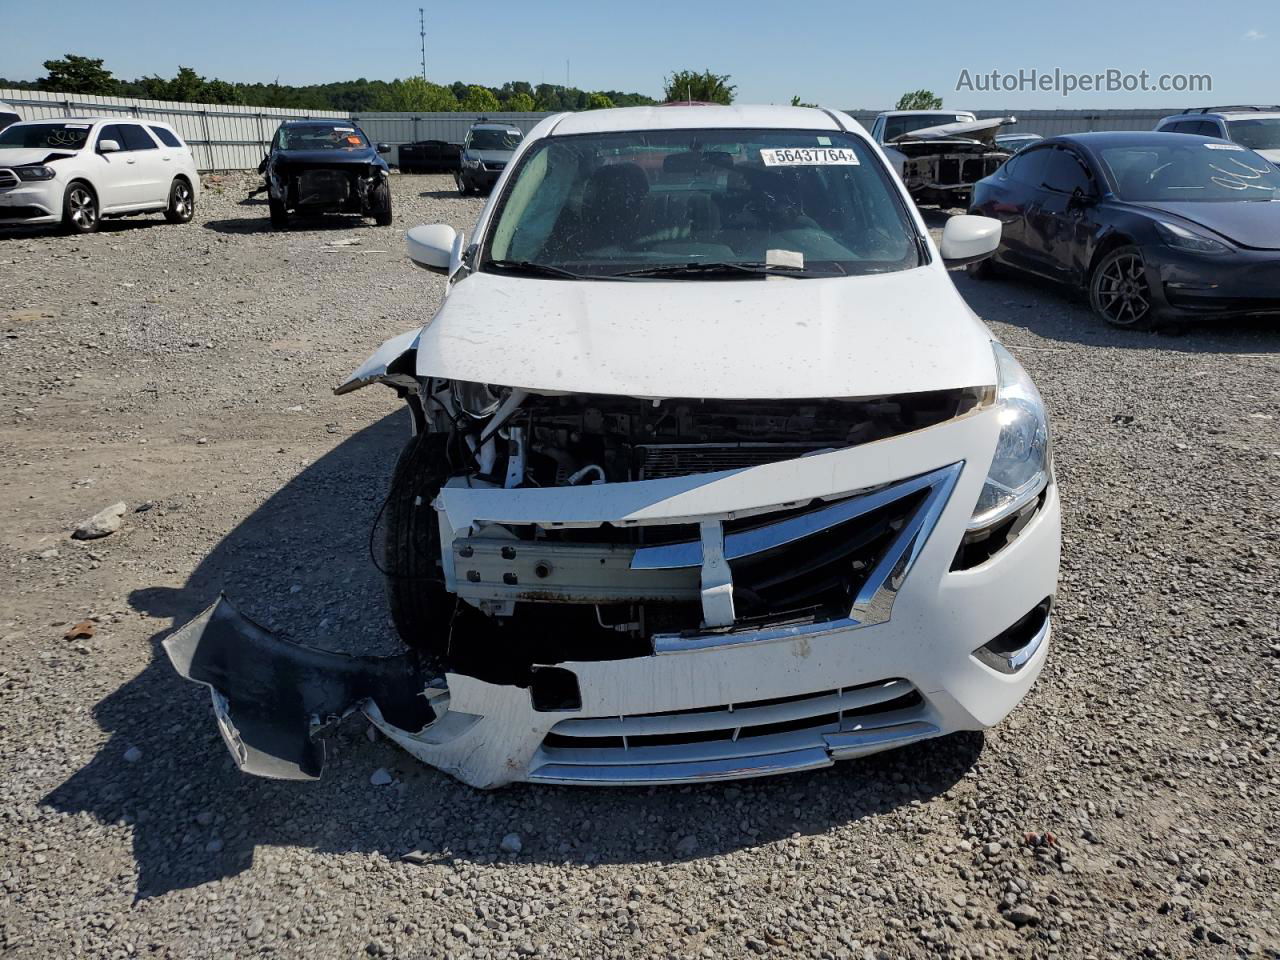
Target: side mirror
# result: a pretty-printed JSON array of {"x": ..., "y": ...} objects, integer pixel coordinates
[
  {"x": 968, "y": 239},
  {"x": 432, "y": 246},
  {"x": 384, "y": 148},
  {"x": 108, "y": 146}
]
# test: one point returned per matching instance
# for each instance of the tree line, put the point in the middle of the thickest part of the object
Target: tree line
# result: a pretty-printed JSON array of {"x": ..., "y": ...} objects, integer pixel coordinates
[{"x": 87, "y": 75}]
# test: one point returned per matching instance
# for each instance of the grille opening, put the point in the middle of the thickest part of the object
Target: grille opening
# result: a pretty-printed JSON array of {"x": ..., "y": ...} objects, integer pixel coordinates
[{"x": 826, "y": 722}]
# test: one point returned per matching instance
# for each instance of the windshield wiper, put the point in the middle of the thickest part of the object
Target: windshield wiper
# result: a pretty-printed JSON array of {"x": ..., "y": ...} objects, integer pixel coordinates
[
  {"x": 530, "y": 269},
  {"x": 722, "y": 267}
]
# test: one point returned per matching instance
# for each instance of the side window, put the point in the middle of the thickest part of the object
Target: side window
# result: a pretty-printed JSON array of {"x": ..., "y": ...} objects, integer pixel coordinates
[
  {"x": 135, "y": 137},
  {"x": 166, "y": 137},
  {"x": 1065, "y": 173},
  {"x": 1179, "y": 127},
  {"x": 112, "y": 132},
  {"x": 877, "y": 130},
  {"x": 1031, "y": 166},
  {"x": 1207, "y": 128}
]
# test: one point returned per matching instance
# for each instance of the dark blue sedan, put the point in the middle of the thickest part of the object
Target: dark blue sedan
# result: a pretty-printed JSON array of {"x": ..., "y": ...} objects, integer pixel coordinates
[{"x": 1156, "y": 227}]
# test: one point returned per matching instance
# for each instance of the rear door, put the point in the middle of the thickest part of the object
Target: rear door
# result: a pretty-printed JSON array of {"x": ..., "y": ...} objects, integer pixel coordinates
[
  {"x": 149, "y": 164},
  {"x": 1061, "y": 222},
  {"x": 1018, "y": 191}
]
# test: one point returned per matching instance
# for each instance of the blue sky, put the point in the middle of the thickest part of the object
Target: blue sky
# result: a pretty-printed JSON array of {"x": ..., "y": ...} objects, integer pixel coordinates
[{"x": 840, "y": 54}]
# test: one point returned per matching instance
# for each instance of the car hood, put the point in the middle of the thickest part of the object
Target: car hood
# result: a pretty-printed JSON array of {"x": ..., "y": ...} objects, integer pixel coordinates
[
  {"x": 491, "y": 156},
  {"x": 1249, "y": 223},
  {"x": 983, "y": 131},
  {"x": 326, "y": 158},
  {"x": 18, "y": 158},
  {"x": 716, "y": 339},
  {"x": 1272, "y": 155}
]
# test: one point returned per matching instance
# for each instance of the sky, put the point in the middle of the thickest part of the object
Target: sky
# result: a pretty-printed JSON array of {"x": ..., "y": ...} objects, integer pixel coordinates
[{"x": 843, "y": 54}]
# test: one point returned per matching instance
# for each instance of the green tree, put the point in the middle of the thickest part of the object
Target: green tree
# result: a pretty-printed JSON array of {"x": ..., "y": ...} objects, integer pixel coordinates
[
  {"x": 480, "y": 100},
  {"x": 706, "y": 87},
  {"x": 413, "y": 94},
  {"x": 919, "y": 100},
  {"x": 797, "y": 102},
  {"x": 598, "y": 101},
  {"x": 75, "y": 74},
  {"x": 521, "y": 103}
]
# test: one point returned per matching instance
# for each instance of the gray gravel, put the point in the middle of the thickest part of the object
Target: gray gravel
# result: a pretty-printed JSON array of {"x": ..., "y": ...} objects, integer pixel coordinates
[{"x": 1129, "y": 808}]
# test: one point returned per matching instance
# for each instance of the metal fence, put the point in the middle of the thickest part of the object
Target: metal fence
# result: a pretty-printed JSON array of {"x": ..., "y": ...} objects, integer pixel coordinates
[
  {"x": 221, "y": 137},
  {"x": 235, "y": 137}
]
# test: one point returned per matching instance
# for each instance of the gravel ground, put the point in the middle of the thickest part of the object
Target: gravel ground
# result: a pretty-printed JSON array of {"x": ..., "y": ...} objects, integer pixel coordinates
[{"x": 1130, "y": 807}]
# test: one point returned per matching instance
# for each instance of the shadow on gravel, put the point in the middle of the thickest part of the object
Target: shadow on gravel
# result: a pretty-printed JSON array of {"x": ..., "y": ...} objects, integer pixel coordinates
[
  {"x": 448, "y": 195},
  {"x": 299, "y": 564},
  {"x": 262, "y": 224}
]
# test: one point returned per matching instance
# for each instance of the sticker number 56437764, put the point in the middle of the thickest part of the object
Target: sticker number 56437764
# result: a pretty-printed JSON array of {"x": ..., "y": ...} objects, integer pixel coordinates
[{"x": 807, "y": 156}]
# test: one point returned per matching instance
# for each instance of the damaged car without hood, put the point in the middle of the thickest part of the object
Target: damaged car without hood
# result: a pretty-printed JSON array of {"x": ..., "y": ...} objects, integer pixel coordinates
[
  {"x": 712, "y": 475},
  {"x": 940, "y": 154},
  {"x": 318, "y": 166}
]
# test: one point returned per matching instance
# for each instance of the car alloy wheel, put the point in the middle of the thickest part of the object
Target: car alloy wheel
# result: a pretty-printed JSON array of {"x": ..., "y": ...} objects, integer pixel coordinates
[
  {"x": 181, "y": 202},
  {"x": 82, "y": 208},
  {"x": 1120, "y": 292}
]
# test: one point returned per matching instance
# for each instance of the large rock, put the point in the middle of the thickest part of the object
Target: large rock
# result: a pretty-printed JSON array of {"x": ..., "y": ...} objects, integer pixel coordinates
[{"x": 101, "y": 524}]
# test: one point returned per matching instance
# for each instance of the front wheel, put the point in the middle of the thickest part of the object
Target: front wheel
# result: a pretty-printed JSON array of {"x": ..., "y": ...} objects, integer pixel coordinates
[
  {"x": 182, "y": 202},
  {"x": 1119, "y": 292},
  {"x": 421, "y": 607},
  {"x": 380, "y": 204},
  {"x": 80, "y": 208},
  {"x": 463, "y": 189},
  {"x": 279, "y": 215}
]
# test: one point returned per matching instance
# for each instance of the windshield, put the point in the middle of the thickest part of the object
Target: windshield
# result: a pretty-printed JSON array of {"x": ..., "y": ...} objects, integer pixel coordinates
[
  {"x": 494, "y": 139},
  {"x": 38, "y": 136},
  {"x": 897, "y": 126},
  {"x": 319, "y": 136},
  {"x": 1190, "y": 170},
  {"x": 1261, "y": 134},
  {"x": 605, "y": 204}
]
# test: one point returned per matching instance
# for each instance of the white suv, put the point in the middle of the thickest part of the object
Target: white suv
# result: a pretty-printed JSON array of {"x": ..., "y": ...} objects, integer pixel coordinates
[
  {"x": 79, "y": 170},
  {"x": 1256, "y": 128}
]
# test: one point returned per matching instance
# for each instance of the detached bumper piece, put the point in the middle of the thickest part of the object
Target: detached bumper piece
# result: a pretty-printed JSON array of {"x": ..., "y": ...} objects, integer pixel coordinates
[
  {"x": 275, "y": 699},
  {"x": 735, "y": 740}
]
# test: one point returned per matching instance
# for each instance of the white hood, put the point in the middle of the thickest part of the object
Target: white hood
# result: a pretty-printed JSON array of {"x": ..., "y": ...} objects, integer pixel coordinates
[
  {"x": 1272, "y": 155},
  {"x": 18, "y": 158},
  {"x": 717, "y": 339},
  {"x": 983, "y": 130}
]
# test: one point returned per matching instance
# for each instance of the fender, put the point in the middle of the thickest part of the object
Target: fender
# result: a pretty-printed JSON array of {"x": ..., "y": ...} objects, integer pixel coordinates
[{"x": 392, "y": 364}]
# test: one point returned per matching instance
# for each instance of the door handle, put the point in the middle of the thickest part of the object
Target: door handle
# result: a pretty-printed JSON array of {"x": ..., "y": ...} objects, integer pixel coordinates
[
  {"x": 131, "y": 161},
  {"x": 166, "y": 159}
]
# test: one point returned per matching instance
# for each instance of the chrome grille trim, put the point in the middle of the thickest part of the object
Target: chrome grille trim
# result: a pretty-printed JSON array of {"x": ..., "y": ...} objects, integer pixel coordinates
[{"x": 8, "y": 179}]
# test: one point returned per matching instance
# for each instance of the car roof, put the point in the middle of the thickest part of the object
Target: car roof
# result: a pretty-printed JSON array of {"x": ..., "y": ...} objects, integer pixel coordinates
[
  {"x": 1128, "y": 138},
  {"x": 686, "y": 117},
  {"x": 335, "y": 121},
  {"x": 493, "y": 125}
]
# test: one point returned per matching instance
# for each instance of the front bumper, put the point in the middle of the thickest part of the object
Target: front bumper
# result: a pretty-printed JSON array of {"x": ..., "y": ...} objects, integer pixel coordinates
[
  {"x": 1243, "y": 283},
  {"x": 30, "y": 202},
  {"x": 727, "y": 704}
]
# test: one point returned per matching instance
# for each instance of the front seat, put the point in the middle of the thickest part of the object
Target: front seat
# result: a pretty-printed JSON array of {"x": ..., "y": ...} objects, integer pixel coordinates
[{"x": 613, "y": 206}]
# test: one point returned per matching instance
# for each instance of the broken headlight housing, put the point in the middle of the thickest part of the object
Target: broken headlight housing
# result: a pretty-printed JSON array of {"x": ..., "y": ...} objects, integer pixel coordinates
[
  {"x": 477, "y": 400},
  {"x": 1023, "y": 458}
]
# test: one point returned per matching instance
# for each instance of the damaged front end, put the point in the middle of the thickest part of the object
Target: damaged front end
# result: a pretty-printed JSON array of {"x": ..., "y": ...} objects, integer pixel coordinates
[
  {"x": 311, "y": 186},
  {"x": 551, "y": 556},
  {"x": 941, "y": 164}
]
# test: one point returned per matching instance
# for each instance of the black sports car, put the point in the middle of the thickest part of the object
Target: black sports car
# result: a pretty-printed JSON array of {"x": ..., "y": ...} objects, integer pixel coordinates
[
  {"x": 1156, "y": 226},
  {"x": 321, "y": 166}
]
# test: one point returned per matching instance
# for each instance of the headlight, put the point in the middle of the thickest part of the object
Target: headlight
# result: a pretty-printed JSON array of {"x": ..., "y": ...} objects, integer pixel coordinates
[
  {"x": 1020, "y": 466},
  {"x": 34, "y": 173},
  {"x": 1181, "y": 238},
  {"x": 476, "y": 400}
]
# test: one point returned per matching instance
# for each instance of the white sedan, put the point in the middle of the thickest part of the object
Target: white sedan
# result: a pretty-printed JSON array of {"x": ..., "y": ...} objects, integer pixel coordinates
[
  {"x": 713, "y": 475},
  {"x": 79, "y": 171}
]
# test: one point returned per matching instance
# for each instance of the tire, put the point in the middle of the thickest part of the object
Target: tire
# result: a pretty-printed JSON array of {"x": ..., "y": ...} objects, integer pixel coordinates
[
  {"x": 421, "y": 608},
  {"x": 380, "y": 204},
  {"x": 279, "y": 215},
  {"x": 984, "y": 269},
  {"x": 182, "y": 202},
  {"x": 1119, "y": 292},
  {"x": 80, "y": 212},
  {"x": 463, "y": 189}
]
